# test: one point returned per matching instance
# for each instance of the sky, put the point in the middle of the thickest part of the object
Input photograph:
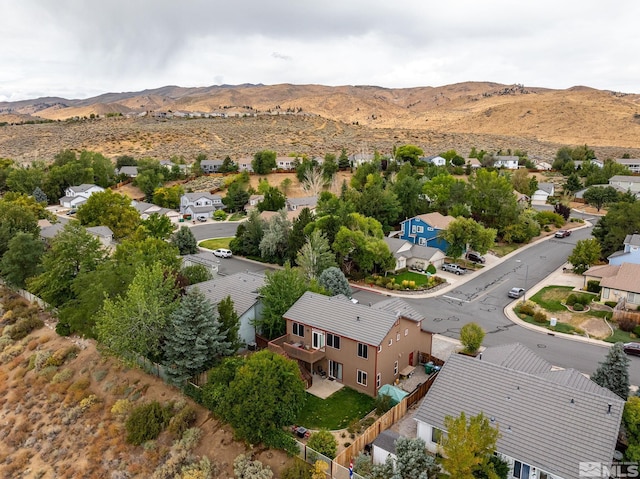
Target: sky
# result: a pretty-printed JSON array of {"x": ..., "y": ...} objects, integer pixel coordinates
[{"x": 82, "y": 48}]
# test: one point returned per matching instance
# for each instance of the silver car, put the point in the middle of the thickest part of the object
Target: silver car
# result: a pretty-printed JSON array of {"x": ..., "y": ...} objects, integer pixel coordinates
[{"x": 516, "y": 292}]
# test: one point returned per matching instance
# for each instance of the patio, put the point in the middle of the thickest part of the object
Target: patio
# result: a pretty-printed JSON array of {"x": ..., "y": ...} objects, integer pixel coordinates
[{"x": 324, "y": 387}]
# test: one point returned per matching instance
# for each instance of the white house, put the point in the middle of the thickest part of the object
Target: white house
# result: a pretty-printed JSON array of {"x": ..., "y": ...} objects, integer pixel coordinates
[
  {"x": 285, "y": 163},
  {"x": 542, "y": 194},
  {"x": 360, "y": 158},
  {"x": 508, "y": 162},
  {"x": 625, "y": 183},
  {"x": 244, "y": 164},
  {"x": 435, "y": 160},
  {"x": 147, "y": 209},
  {"x": 632, "y": 163},
  {"x": 550, "y": 419},
  {"x": 74, "y": 196},
  {"x": 200, "y": 204},
  {"x": 210, "y": 166},
  {"x": 408, "y": 254}
]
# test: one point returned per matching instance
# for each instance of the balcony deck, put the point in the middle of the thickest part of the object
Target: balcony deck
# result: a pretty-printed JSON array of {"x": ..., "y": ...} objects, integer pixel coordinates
[{"x": 295, "y": 350}]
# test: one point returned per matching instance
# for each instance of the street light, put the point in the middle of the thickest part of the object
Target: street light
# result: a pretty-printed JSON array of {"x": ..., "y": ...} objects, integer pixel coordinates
[{"x": 526, "y": 276}]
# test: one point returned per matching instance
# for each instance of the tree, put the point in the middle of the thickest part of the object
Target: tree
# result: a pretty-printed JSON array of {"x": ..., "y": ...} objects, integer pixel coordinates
[
  {"x": 196, "y": 273},
  {"x": 150, "y": 177},
  {"x": 125, "y": 160},
  {"x": 313, "y": 181},
  {"x": 444, "y": 191},
  {"x": 572, "y": 184},
  {"x": 228, "y": 166},
  {"x": 22, "y": 259},
  {"x": 237, "y": 196},
  {"x": 246, "y": 468},
  {"x": 465, "y": 233},
  {"x": 168, "y": 197},
  {"x": 282, "y": 288},
  {"x": 408, "y": 191},
  {"x": 413, "y": 461},
  {"x": 315, "y": 256},
  {"x": 110, "y": 209},
  {"x": 409, "y": 153},
  {"x": 72, "y": 252},
  {"x": 334, "y": 281},
  {"x": 265, "y": 395},
  {"x": 297, "y": 236},
  {"x": 324, "y": 443},
  {"x": 329, "y": 167},
  {"x": 562, "y": 210},
  {"x": 264, "y": 161},
  {"x": 492, "y": 200},
  {"x": 599, "y": 196},
  {"x": 468, "y": 446},
  {"x": 135, "y": 324},
  {"x": 230, "y": 323},
  {"x": 273, "y": 200},
  {"x": 613, "y": 372},
  {"x": 155, "y": 226},
  {"x": 25, "y": 180},
  {"x": 471, "y": 336},
  {"x": 320, "y": 470},
  {"x": 621, "y": 219},
  {"x": 15, "y": 218},
  {"x": 585, "y": 254},
  {"x": 249, "y": 235},
  {"x": 194, "y": 339},
  {"x": 185, "y": 241},
  {"x": 275, "y": 241},
  {"x": 631, "y": 421},
  {"x": 40, "y": 196},
  {"x": 343, "y": 160}
]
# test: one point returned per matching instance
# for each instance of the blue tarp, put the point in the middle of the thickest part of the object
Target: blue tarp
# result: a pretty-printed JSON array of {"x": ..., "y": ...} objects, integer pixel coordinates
[{"x": 395, "y": 393}]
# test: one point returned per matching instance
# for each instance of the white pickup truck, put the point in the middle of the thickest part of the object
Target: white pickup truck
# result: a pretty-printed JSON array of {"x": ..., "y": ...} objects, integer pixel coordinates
[{"x": 453, "y": 268}]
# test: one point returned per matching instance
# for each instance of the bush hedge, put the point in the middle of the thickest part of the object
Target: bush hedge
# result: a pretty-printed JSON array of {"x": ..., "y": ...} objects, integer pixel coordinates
[
  {"x": 540, "y": 317},
  {"x": 146, "y": 422}
]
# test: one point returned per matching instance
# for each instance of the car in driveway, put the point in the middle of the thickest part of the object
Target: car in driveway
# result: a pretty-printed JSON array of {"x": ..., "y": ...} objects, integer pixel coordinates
[
  {"x": 475, "y": 257},
  {"x": 453, "y": 268},
  {"x": 516, "y": 293},
  {"x": 562, "y": 233},
  {"x": 632, "y": 349},
  {"x": 222, "y": 253}
]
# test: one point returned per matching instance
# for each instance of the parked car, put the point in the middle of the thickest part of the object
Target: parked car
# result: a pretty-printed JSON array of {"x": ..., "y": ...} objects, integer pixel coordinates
[
  {"x": 475, "y": 257},
  {"x": 562, "y": 233},
  {"x": 72, "y": 212},
  {"x": 201, "y": 218},
  {"x": 516, "y": 293},
  {"x": 222, "y": 253},
  {"x": 632, "y": 349},
  {"x": 453, "y": 268}
]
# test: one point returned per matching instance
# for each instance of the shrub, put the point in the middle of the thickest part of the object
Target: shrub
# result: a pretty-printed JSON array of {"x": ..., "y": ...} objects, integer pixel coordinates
[
  {"x": 219, "y": 215},
  {"x": 593, "y": 286},
  {"x": 636, "y": 331},
  {"x": 471, "y": 336},
  {"x": 146, "y": 422},
  {"x": 60, "y": 356},
  {"x": 383, "y": 404},
  {"x": 296, "y": 469},
  {"x": 540, "y": 317},
  {"x": 611, "y": 304},
  {"x": 62, "y": 376},
  {"x": 24, "y": 326},
  {"x": 578, "y": 307},
  {"x": 182, "y": 421},
  {"x": 431, "y": 269},
  {"x": 627, "y": 324},
  {"x": 527, "y": 308},
  {"x": 324, "y": 443},
  {"x": 121, "y": 407},
  {"x": 549, "y": 217},
  {"x": 571, "y": 299}
]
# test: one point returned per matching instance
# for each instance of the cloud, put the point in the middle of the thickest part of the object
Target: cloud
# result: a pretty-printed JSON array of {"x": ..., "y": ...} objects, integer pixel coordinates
[{"x": 280, "y": 56}]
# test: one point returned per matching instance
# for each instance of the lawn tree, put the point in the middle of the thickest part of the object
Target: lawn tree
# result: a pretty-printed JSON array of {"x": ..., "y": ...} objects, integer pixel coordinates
[
  {"x": 408, "y": 191},
  {"x": 125, "y": 160},
  {"x": 613, "y": 372},
  {"x": 413, "y": 461},
  {"x": 471, "y": 336},
  {"x": 521, "y": 182},
  {"x": 155, "y": 226},
  {"x": 14, "y": 219},
  {"x": 600, "y": 196},
  {"x": 324, "y": 443},
  {"x": 492, "y": 200},
  {"x": 334, "y": 281},
  {"x": 572, "y": 184},
  {"x": 263, "y": 162},
  {"x": 464, "y": 233},
  {"x": 40, "y": 195},
  {"x": 343, "y": 160},
  {"x": 523, "y": 228},
  {"x": 379, "y": 202},
  {"x": 468, "y": 446},
  {"x": 73, "y": 251},
  {"x": 285, "y": 185},
  {"x": 408, "y": 153},
  {"x": 273, "y": 200},
  {"x": 563, "y": 210},
  {"x": 275, "y": 241},
  {"x": 237, "y": 196},
  {"x": 112, "y": 210},
  {"x": 586, "y": 253},
  {"x": 265, "y": 395},
  {"x": 25, "y": 179},
  {"x": 22, "y": 259},
  {"x": 135, "y": 324},
  {"x": 315, "y": 256},
  {"x": 230, "y": 323},
  {"x": 444, "y": 191},
  {"x": 185, "y": 241},
  {"x": 249, "y": 235},
  {"x": 168, "y": 197},
  {"x": 196, "y": 273},
  {"x": 621, "y": 220},
  {"x": 194, "y": 338},
  {"x": 228, "y": 166},
  {"x": 631, "y": 421},
  {"x": 282, "y": 288},
  {"x": 150, "y": 176}
]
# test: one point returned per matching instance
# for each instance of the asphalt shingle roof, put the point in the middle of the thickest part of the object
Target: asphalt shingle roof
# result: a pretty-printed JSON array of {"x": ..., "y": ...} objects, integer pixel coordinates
[
  {"x": 242, "y": 287},
  {"x": 437, "y": 220},
  {"x": 551, "y": 420},
  {"x": 338, "y": 315},
  {"x": 632, "y": 240},
  {"x": 386, "y": 440},
  {"x": 625, "y": 280}
]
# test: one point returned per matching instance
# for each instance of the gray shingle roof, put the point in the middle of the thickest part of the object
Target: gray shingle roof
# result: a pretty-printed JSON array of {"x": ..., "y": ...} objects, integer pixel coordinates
[
  {"x": 310, "y": 201},
  {"x": 632, "y": 240},
  {"x": 414, "y": 250},
  {"x": 242, "y": 287},
  {"x": 515, "y": 356},
  {"x": 103, "y": 231},
  {"x": 546, "y": 187},
  {"x": 387, "y": 440},
  {"x": 196, "y": 196},
  {"x": 81, "y": 188},
  {"x": 551, "y": 420},
  {"x": 625, "y": 179},
  {"x": 338, "y": 315},
  {"x": 51, "y": 231},
  {"x": 398, "y": 306}
]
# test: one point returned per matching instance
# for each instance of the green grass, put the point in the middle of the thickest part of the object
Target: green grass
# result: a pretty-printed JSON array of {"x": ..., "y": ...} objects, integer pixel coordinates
[
  {"x": 337, "y": 411},
  {"x": 216, "y": 243},
  {"x": 237, "y": 217},
  {"x": 558, "y": 328},
  {"x": 420, "y": 279},
  {"x": 504, "y": 249},
  {"x": 550, "y": 297},
  {"x": 619, "y": 336}
]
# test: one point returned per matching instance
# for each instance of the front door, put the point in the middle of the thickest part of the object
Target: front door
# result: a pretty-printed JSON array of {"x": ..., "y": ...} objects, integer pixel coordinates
[
  {"x": 318, "y": 339},
  {"x": 335, "y": 370},
  {"x": 411, "y": 358}
]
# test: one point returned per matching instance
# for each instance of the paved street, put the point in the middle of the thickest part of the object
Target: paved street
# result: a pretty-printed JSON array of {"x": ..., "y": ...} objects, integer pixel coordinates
[{"x": 214, "y": 230}]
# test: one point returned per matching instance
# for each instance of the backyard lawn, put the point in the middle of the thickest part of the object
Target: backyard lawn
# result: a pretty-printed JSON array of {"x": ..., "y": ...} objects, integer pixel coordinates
[
  {"x": 337, "y": 411},
  {"x": 216, "y": 243}
]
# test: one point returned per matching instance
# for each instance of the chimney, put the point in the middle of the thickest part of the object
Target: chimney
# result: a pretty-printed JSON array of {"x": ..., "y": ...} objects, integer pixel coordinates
[
  {"x": 480, "y": 356},
  {"x": 609, "y": 410},
  {"x": 357, "y": 318}
]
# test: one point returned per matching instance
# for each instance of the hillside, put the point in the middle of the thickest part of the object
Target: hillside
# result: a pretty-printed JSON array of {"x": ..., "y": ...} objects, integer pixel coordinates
[{"x": 317, "y": 119}]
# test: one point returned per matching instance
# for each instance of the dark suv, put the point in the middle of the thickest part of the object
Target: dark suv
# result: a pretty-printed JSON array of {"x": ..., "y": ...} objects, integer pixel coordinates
[{"x": 475, "y": 257}]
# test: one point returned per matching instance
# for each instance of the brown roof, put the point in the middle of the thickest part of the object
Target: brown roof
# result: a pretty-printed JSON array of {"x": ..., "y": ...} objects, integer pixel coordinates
[
  {"x": 602, "y": 271},
  {"x": 625, "y": 280},
  {"x": 437, "y": 220}
]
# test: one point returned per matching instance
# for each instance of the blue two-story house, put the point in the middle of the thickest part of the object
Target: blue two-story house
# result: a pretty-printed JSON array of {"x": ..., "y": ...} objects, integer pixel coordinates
[
  {"x": 630, "y": 253},
  {"x": 423, "y": 230}
]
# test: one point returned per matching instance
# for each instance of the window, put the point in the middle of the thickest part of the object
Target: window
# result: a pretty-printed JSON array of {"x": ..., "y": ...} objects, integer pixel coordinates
[
  {"x": 413, "y": 229},
  {"x": 406, "y": 332},
  {"x": 298, "y": 329},
  {"x": 378, "y": 379},
  {"x": 333, "y": 341},
  {"x": 521, "y": 470},
  {"x": 390, "y": 341},
  {"x": 633, "y": 298},
  {"x": 317, "y": 340},
  {"x": 397, "y": 337},
  {"x": 362, "y": 378},
  {"x": 420, "y": 229},
  {"x": 543, "y": 475},
  {"x": 422, "y": 241},
  {"x": 436, "y": 435},
  {"x": 605, "y": 293},
  {"x": 395, "y": 368},
  {"x": 363, "y": 351}
]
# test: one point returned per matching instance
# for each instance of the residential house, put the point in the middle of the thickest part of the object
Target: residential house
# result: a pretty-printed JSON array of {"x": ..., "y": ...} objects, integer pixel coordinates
[
  {"x": 285, "y": 163},
  {"x": 360, "y": 158},
  {"x": 210, "y": 166},
  {"x": 204, "y": 258},
  {"x": 423, "y": 230},
  {"x": 625, "y": 183},
  {"x": 579, "y": 164},
  {"x": 542, "y": 194},
  {"x": 550, "y": 419},
  {"x": 128, "y": 171},
  {"x": 632, "y": 163},
  {"x": 242, "y": 288},
  {"x": 521, "y": 198},
  {"x": 253, "y": 202},
  {"x": 618, "y": 283},
  {"x": 74, "y": 196},
  {"x": 508, "y": 162},
  {"x": 147, "y": 209},
  {"x": 103, "y": 233},
  {"x": 473, "y": 163},
  {"x": 542, "y": 165},
  {"x": 184, "y": 169},
  {"x": 408, "y": 254},
  {"x": 200, "y": 204},
  {"x": 49, "y": 231},
  {"x": 629, "y": 254},
  {"x": 384, "y": 446},
  {"x": 244, "y": 164},
  {"x": 434, "y": 160},
  {"x": 361, "y": 346},
  {"x": 298, "y": 204}
]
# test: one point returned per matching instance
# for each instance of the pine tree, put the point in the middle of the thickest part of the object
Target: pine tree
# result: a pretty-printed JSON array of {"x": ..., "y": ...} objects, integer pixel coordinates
[
  {"x": 413, "y": 461},
  {"x": 194, "y": 340},
  {"x": 230, "y": 323},
  {"x": 40, "y": 195},
  {"x": 613, "y": 372},
  {"x": 334, "y": 281},
  {"x": 185, "y": 241}
]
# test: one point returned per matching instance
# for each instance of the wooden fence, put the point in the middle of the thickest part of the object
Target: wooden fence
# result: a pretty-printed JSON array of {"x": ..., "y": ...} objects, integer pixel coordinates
[{"x": 619, "y": 314}]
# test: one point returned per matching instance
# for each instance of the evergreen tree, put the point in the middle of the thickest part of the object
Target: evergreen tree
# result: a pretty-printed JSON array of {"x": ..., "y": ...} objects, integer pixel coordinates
[
  {"x": 315, "y": 256},
  {"x": 194, "y": 340},
  {"x": 413, "y": 461},
  {"x": 613, "y": 372},
  {"x": 334, "y": 281},
  {"x": 40, "y": 196},
  {"x": 230, "y": 323},
  {"x": 297, "y": 237},
  {"x": 185, "y": 241},
  {"x": 343, "y": 160}
]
